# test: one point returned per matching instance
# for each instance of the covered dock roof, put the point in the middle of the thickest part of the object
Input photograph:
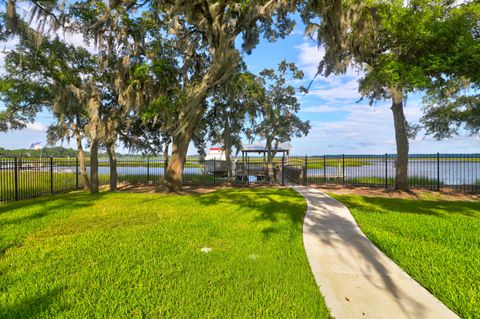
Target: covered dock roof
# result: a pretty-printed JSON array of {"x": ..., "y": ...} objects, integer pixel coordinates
[{"x": 262, "y": 148}]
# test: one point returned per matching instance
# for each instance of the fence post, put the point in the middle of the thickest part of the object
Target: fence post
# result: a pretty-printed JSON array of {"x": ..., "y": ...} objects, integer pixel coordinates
[
  {"x": 267, "y": 174},
  {"x": 16, "y": 177},
  {"x": 386, "y": 171},
  {"x": 248, "y": 171},
  {"x": 324, "y": 169},
  {"x": 148, "y": 169},
  {"x": 214, "y": 170},
  {"x": 305, "y": 171},
  {"x": 51, "y": 175},
  {"x": 283, "y": 170},
  {"x": 76, "y": 173},
  {"x": 438, "y": 171},
  {"x": 343, "y": 168}
]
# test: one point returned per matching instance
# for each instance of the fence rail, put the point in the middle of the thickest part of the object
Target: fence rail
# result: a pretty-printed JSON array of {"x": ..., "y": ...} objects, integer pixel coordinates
[{"x": 22, "y": 178}]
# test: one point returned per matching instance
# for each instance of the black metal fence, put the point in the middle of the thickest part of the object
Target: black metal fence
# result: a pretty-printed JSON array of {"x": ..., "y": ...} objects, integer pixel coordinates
[
  {"x": 430, "y": 171},
  {"x": 22, "y": 178}
]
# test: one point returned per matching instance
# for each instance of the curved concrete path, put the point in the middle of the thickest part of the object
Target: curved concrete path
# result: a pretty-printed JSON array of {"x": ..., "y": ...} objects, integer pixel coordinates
[{"x": 355, "y": 277}]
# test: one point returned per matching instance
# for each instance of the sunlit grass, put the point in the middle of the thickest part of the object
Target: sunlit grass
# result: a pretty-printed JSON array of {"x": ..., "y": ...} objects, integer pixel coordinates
[
  {"x": 436, "y": 242},
  {"x": 125, "y": 255}
]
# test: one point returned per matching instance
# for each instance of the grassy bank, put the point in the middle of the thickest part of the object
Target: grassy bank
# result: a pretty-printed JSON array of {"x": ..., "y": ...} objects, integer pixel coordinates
[
  {"x": 126, "y": 255},
  {"x": 373, "y": 180},
  {"x": 412, "y": 180},
  {"x": 436, "y": 242}
]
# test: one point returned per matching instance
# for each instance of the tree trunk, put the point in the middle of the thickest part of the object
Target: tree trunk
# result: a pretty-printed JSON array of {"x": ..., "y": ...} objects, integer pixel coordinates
[
  {"x": 274, "y": 153},
  {"x": 270, "y": 151},
  {"x": 94, "y": 184},
  {"x": 165, "y": 160},
  {"x": 173, "y": 175},
  {"x": 228, "y": 151},
  {"x": 221, "y": 70},
  {"x": 113, "y": 166},
  {"x": 401, "y": 138},
  {"x": 189, "y": 117},
  {"x": 268, "y": 145},
  {"x": 81, "y": 159},
  {"x": 93, "y": 107}
]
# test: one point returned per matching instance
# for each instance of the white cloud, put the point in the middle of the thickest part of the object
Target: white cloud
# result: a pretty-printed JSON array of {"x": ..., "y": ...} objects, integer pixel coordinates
[
  {"x": 329, "y": 90},
  {"x": 341, "y": 91},
  {"x": 322, "y": 109},
  {"x": 36, "y": 127},
  {"x": 309, "y": 57},
  {"x": 336, "y": 106}
]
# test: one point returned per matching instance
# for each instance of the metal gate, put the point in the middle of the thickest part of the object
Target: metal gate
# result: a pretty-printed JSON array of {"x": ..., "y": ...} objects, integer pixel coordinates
[{"x": 282, "y": 170}]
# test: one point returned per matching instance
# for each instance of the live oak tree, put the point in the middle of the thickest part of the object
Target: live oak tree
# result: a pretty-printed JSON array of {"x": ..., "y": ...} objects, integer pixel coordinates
[
  {"x": 379, "y": 38},
  {"x": 210, "y": 29},
  {"x": 130, "y": 75},
  {"x": 277, "y": 120},
  {"x": 204, "y": 35},
  {"x": 105, "y": 108},
  {"x": 82, "y": 96},
  {"x": 119, "y": 82}
]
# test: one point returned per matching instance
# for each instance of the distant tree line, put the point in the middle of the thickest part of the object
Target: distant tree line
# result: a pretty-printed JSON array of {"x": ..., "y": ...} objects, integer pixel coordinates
[{"x": 52, "y": 151}]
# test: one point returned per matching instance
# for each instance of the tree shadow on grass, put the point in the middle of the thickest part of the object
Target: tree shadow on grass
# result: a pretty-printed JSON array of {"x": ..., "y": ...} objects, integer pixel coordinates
[
  {"x": 31, "y": 307},
  {"x": 271, "y": 203},
  {"x": 413, "y": 206}
]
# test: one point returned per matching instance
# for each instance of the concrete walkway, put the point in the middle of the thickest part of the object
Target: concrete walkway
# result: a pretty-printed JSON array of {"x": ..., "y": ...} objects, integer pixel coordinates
[{"x": 355, "y": 277}]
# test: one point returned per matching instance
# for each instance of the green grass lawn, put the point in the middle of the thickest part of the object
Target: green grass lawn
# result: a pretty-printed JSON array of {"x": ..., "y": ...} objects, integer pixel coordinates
[
  {"x": 436, "y": 242},
  {"x": 126, "y": 255}
]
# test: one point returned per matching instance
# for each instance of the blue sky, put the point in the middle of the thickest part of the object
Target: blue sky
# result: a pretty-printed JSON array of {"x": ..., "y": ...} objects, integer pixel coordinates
[{"x": 339, "y": 123}]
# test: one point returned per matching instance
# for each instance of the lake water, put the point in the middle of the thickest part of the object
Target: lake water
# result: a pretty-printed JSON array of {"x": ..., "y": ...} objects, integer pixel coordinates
[{"x": 450, "y": 172}]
